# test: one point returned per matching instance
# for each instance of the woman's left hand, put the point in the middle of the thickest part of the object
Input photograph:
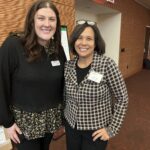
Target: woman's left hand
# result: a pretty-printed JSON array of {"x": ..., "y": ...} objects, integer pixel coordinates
[{"x": 102, "y": 134}]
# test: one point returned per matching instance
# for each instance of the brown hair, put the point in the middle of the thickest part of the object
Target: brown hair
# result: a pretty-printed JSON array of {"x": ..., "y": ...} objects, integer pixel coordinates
[{"x": 33, "y": 49}]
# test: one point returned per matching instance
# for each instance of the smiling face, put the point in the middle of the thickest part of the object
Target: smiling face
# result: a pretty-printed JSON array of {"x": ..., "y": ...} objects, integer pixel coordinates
[
  {"x": 85, "y": 44},
  {"x": 45, "y": 23}
]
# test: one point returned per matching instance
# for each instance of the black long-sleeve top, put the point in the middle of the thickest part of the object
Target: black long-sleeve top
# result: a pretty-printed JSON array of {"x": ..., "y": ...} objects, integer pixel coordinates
[{"x": 34, "y": 86}]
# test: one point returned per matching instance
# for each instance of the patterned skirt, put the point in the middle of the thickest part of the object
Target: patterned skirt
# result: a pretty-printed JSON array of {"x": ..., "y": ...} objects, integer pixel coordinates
[{"x": 35, "y": 125}]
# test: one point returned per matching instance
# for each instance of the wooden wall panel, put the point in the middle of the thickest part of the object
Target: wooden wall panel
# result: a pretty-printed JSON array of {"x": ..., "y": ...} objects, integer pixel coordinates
[
  {"x": 12, "y": 15},
  {"x": 65, "y": 2},
  {"x": 67, "y": 15},
  {"x": 13, "y": 12}
]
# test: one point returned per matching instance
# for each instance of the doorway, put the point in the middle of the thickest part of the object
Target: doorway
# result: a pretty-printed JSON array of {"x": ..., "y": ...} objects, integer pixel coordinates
[{"x": 146, "y": 58}]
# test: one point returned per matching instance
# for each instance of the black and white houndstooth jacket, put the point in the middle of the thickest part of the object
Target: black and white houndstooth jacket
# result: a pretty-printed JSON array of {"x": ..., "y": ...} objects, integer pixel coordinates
[{"x": 91, "y": 105}]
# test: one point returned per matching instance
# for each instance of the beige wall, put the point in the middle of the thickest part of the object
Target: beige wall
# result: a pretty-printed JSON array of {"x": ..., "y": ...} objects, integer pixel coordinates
[{"x": 110, "y": 29}]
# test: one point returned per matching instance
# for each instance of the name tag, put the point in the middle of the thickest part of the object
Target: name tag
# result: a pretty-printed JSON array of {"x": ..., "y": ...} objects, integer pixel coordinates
[
  {"x": 55, "y": 63},
  {"x": 95, "y": 76}
]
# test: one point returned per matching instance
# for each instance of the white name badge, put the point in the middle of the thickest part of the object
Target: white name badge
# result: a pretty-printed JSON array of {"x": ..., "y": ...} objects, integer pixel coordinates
[
  {"x": 55, "y": 63},
  {"x": 95, "y": 76}
]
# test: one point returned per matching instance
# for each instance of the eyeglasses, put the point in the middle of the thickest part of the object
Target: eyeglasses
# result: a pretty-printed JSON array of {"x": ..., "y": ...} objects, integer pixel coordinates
[{"x": 80, "y": 22}]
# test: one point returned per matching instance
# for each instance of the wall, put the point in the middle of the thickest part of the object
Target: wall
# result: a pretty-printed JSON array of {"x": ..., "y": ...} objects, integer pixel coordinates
[
  {"x": 85, "y": 15},
  {"x": 110, "y": 29},
  {"x": 67, "y": 13},
  {"x": 135, "y": 18},
  {"x": 12, "y": 15}
]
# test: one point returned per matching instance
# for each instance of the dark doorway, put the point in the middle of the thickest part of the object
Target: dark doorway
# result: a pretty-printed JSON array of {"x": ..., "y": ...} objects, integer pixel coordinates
[{"x": 146, "y": 60}]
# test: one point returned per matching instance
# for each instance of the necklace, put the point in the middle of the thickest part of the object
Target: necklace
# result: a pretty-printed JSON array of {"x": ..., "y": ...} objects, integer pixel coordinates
[{"x": 49, "y": 50}]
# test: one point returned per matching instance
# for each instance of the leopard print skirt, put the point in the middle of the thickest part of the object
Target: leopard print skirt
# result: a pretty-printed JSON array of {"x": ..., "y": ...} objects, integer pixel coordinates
[{"x": 35, "y": 125}]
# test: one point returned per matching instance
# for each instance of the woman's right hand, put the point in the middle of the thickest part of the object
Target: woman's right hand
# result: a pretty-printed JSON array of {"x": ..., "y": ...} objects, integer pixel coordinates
[
  {"x": 13, "y": 132},
  {"x": 59, "y": 133}
]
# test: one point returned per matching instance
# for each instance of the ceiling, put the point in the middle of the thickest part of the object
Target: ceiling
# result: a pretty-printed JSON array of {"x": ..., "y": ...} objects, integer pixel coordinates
[
  {"x": 90, "y": 6},
  {"x": 145, "y": 3}
]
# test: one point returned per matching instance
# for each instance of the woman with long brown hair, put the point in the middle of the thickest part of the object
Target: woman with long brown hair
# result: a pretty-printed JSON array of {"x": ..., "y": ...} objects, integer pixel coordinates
[{"x": 31, "y": 79}]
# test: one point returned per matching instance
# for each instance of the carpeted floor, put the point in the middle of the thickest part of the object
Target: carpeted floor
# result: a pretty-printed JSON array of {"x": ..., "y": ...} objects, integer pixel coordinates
[{"x": 135, "y": 132}]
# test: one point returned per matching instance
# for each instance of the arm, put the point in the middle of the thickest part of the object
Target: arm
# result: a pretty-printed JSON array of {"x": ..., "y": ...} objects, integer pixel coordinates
[
  {"x": 7, "y": 66},
  {"x": 118, "y": 88},
  {"x": 8, "y": 63},
  {"x": 6, "y": 118}
]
